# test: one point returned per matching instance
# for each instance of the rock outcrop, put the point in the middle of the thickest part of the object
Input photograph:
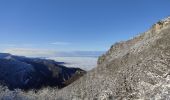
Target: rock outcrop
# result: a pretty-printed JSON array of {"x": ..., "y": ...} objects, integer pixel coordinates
[
  {"x": 34, "y": 73},
  {"x": 135, "y": 69}
]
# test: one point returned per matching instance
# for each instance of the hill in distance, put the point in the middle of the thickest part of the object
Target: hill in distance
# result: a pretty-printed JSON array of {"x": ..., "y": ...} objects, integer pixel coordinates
[{"x": 34, "y": 73}]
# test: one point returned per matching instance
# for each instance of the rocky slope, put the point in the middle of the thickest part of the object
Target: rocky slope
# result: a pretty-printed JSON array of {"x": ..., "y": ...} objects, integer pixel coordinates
[
  {"x": 135, "y": 69},
  {"x": 34, "y": 73}
]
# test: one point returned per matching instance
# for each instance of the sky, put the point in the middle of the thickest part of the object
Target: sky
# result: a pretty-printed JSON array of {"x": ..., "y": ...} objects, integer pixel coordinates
[{"x": 47, "y": 26}]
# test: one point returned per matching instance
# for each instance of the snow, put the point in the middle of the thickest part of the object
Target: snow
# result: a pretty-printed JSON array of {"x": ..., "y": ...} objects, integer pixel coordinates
[{"x": 166, "y": 19}]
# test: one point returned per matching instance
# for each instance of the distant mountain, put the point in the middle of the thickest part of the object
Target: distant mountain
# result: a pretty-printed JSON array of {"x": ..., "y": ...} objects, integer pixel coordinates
[
  {"x": 131, "y": 70},
  {"x": 48, "y": 53},
  {"x": 33, "y": 73},
  {"x": 3, "y": 55},
  {"x": 80, "y": 54}
]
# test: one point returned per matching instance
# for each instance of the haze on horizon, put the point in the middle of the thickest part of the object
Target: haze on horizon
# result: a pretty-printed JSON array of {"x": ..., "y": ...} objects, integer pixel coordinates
[{"x": 45, "y": 27}]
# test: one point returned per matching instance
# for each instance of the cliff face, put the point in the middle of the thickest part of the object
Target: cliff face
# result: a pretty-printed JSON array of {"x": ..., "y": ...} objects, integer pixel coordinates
[{"x": 135, "y": 69}]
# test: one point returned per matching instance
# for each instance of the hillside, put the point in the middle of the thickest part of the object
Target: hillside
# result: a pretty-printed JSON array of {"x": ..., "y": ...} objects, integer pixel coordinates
[
  {"x": 135, "y": 69},
  {"x": 34, "y": 73}
]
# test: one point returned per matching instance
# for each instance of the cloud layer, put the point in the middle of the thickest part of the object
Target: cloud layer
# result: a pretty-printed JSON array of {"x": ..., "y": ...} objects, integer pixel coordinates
[
  {"x": 60, "y": 43},
  {"x": 30, "y": 52}
]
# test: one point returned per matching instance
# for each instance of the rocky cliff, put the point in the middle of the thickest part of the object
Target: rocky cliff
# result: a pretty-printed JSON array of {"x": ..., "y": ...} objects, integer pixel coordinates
[{"x": 135, "y": 69}]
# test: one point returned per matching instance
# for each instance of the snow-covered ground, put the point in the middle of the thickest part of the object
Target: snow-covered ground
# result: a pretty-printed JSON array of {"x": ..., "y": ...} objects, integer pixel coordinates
[{"x": 86, "y": 63}]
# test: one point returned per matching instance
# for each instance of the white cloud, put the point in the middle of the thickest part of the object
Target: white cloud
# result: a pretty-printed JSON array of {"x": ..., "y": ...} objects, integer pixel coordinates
[
  {"x": 60, "y": 43},
  {"x": 8, "y": 45},
  {"x": 17, "y": 45},
  {"x": 86, "y": 63},
  {"x": 30, "y": 52}
]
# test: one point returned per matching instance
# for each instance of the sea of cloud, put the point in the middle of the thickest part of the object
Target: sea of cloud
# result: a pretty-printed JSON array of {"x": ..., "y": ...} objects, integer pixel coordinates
[{"x": 85, "y": 63}]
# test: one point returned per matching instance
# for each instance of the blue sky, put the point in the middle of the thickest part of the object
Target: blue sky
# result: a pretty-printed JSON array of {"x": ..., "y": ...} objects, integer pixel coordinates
[{"x": 75, "y": 25}]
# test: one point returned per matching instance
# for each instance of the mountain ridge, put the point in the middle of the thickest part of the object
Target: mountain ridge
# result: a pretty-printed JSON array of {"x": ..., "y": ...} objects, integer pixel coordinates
[
  {"x": 134, "y": 69},
  {"x": 35, "y": 73}
]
